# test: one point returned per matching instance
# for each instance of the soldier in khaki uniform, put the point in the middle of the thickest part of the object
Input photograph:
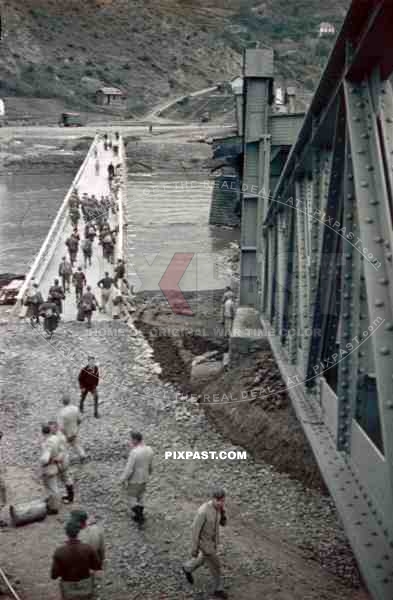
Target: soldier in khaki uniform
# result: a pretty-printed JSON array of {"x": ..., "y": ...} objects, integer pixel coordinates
[
  {"x": 50, "y": 469},
  {"x": 90, "y": 533},
  {"x": 69, "y": 420},
  {"x": 3, "y": 491},
  {"x": 62, "y": 461},
  {"x": 205, "y": 539},
  {"x": 135, "y": 476}
]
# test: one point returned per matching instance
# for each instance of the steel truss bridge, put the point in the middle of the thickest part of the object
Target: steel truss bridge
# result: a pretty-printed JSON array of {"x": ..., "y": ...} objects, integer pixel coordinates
[{"x": 316, "y": 264}]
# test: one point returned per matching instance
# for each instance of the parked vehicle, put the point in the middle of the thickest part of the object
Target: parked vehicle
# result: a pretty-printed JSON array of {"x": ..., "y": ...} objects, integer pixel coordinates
[
  {"x": 9, "y": 293},
  {"x": 70, "y": 119}
]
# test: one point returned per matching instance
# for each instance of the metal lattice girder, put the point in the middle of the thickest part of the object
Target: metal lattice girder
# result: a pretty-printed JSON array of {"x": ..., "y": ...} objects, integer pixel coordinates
[
  {"x": 350, "y": 314},
  {"x": 373, "y": 199},
  {"x": 263, "y": 202},
  {"x": 386, "y": 126},
  {"x": 324, "y": 311},
  {"x": 362, "y": 523}
]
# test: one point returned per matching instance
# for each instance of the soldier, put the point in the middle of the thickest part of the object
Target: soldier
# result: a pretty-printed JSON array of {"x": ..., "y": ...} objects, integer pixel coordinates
[
  {"x": 56, "y": 292},
  {"x": 88, "y": 304},
  {"x": 227, "y": 294},
  {"x": 74, "y": 562},
  {"x": 50, "y": 469},
  {"x": 62, "y": 461},
  {"x": 228, "y": 313},
  {"x": 107, "y": 245},
  {"x": 72, "y": 244},
  {"x": 205, "y": 538},
  {"x": 74, "y": 215},
  {"x": 79, "y": 281},
  {"x": 120, "y": 270},
  {"x": 111, "y": 171},
  {"x": 106, "y": 285},
  {"x": 69, "y": 420},
  {"x": 34, "y": 301},
  {"x": 136, "y": 474},
  {"x": 90, "y": 533},
  {"x": 88, "y": 381},
  {"x": 65, "y": 272},
  {"x": 87, "y": 249}
]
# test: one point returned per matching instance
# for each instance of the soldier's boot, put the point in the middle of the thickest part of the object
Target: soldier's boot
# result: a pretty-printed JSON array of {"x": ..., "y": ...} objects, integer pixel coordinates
[
  {"x": 50, "y": 507},
  {"x": 70, "y": 495},
  {"x": 138, "y": 514},
  {"x": 96, "y": 414},
  {"x": 81, "y": 403}
]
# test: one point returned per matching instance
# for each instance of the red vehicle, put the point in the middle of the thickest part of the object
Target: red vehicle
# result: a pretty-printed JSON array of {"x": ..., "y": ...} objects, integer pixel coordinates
[{"x": 9, "y": 293}]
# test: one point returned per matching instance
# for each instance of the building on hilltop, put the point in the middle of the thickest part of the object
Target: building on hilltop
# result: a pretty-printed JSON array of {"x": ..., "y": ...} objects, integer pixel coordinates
[{"x": 110, "y": 97}]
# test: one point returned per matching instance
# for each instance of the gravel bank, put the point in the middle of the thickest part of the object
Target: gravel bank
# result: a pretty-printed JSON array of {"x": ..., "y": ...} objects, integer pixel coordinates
[{"x": 275, "y": 528}]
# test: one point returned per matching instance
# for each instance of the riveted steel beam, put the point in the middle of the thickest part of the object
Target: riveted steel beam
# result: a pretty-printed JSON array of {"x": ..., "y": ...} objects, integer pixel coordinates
[
  {"x": 349, "y": 313},
  {"x": 324, "y": 310}
]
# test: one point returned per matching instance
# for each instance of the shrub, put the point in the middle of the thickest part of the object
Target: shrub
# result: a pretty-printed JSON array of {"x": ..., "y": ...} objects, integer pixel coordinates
[{"x": 38, "y": 13}]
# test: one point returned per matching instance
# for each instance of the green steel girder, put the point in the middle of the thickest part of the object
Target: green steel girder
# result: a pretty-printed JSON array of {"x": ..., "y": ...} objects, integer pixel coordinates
[
  {"x": 367, "y": 28},
  {"x": 373, "y": 200}
]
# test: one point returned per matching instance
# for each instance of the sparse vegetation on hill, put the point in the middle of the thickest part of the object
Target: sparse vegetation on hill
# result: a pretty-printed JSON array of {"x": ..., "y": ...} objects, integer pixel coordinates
[{"x": 154, "y": 49}]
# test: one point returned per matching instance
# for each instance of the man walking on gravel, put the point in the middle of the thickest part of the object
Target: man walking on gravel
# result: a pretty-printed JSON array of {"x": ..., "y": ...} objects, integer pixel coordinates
[
  {"x": 136, "y": 474},
  {"x": 105, "y": 284},
  {"x": 79, "y": 281},
  {"x": 88, "y": 382},
  {"x": 69, "y": 420},
  {"x": 62, "y": 460},
  {"x": 3, "y": 490},
  {"x": 88, "y": 304},
  {"x": 205, "y": 539},
  {"x": 65, "y": 272},
  {"x": 74, "y": 562},
  {"x": 120, "y": 271},
  {"x": 228, "y": 316},
  {"x": 50, "y": 469},
  {"x": 90, "y": 533}
]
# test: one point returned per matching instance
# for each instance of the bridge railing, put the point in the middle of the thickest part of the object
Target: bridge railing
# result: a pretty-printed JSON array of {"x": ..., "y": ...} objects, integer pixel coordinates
[
  {"x": 122, "y": 195},
  {"x": 42, "y": 259}
]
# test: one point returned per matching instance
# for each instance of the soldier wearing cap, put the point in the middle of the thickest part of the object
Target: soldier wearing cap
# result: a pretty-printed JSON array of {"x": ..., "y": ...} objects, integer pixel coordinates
[
  {"x": 205, "y": 539},
  {"x": 62, "y": 461}
]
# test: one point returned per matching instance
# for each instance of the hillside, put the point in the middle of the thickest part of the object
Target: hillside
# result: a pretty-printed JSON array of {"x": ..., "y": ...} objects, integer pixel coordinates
[{"x": 154, "y": 49}]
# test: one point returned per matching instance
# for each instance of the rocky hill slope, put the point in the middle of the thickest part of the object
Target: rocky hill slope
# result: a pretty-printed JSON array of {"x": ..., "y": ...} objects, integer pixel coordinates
[{"x": 154, "y": 49}]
